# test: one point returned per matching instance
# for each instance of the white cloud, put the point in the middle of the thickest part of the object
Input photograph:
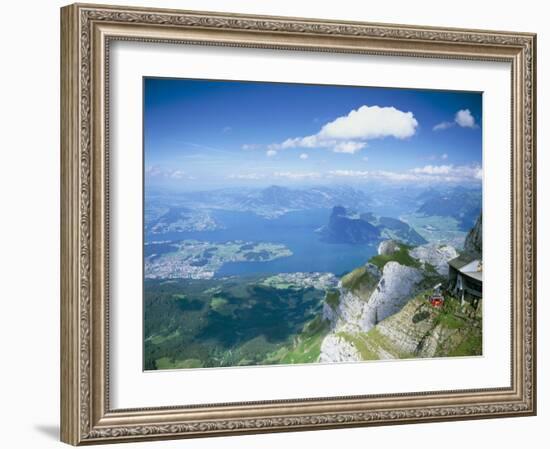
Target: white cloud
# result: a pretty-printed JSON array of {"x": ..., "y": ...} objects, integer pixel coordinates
[
  {"x": 433, "y": 169},
  {"x": 297, "y": 175},
  {"x": 247, "y": 176},
  {"x": 443, "y": 125},
  {"x": 156, "y": 171},
  {"x": 153, "y": 171},
  {"x": 304, "y": 156},
  {"x": 397, "y": 176},
  {"x": 371, "y": 122},
  {"x": 463, "y": 118},
  {"x": 177, "y": 174},
  {"x": 350, "y": 133},
  {"x": 349, "y": 147},
  {"x": 250, "y": 146},
  {"x": 426, "y": 174},
  {"x": 271, "y": 153},
  {"x": 349, "y": 173},
  {"x": 448, "y": 173}
]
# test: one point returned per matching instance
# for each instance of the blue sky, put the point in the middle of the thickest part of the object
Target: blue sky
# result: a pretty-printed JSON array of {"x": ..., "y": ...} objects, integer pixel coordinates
[{"x": 201, "y": 134}]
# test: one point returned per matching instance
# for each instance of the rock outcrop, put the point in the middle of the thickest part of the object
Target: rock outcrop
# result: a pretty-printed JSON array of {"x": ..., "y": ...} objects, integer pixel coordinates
[
  {"x": 336, "y": 349},
  {"x": 420, "y": 330},
  {"x": 388, "y": 247},
  {"x": 397, "y": 285},
  {"x": 365, "y": 297},
  {"x": 354, "y": 291},
  {"x": 474, "y": 239},
  {"x": 384, "y": 313},
  {"x": 435, "y": 255}
]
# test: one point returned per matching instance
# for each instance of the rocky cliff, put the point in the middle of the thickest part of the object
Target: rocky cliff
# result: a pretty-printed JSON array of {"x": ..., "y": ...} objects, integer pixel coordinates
[
  {"x": 435, "y": 255},
  {"x": 418, "y": 330},
  {"x": 381, "y": 310},
  {"x": 474, "y": 239}
]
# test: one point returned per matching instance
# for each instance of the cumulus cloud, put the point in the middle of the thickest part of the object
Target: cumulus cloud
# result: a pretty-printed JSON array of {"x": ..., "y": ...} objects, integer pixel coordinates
[
  {"x": 463, "y": 118},
  {"x": 349, "y": 147},
  {"x": 350, "y": 133},
  {"x": 271, "y": 153},
  {"x": 371, "y": 122},
  {"x": 304, "y": 156}
]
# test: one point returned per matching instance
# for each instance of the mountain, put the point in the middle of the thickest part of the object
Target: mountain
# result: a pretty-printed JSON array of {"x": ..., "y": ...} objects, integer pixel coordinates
[
  {"x": 269, "y": 202},
  {"x": 460, "y": 203},
  {"x": 344, "y": 227},
  {"x": 380, "y": 310},
  {"x": 392, "y": 228},
  {"x": 418, "y": 330},
  {"x": 473, "y": 242},
  {"x": 179, "y": 219}
]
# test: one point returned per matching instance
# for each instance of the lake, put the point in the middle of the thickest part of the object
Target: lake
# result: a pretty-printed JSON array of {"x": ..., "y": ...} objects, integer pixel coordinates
[{"x": 296, "y": 230}]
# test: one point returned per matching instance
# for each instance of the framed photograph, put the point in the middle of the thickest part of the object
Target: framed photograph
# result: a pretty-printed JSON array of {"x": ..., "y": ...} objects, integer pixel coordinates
[{"x": 281, "y": 224}]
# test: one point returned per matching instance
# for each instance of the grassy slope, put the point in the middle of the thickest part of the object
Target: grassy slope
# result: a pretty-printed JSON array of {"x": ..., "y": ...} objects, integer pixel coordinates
[
  {"x": 455, "y": 333},
  {"x": 192, "y": 323},
  {"x": 360, "y": 282},
  {"x": 401, "y": 256},
  {"x": 332, "y": 298},
  {"x": 307, "y": 346}
]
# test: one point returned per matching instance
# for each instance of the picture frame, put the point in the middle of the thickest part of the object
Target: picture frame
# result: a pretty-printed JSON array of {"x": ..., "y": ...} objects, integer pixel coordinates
[{"x": 87, "y": 31}]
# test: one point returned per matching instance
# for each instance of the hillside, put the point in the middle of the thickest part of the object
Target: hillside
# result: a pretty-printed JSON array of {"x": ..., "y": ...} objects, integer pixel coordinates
[
  {"x": 185, "y": 208},
  {"x": 381, "y": 310},
  {"x": 459, "y": 203},
  {"x": 346, "y": 227},
  {"x": 418, "y": 330}
]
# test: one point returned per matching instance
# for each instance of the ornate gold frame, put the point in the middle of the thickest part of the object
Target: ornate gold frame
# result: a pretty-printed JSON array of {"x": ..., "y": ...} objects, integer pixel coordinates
[{"x": 86, "y": 31}]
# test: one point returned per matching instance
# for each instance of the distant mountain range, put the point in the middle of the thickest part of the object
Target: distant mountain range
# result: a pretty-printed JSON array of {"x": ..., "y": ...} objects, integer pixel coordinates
[
  {"x": 195, "y": 211},
  {"x": 270, "y": 202},
  {"x": 460, "y": 203},
  {"x": 344, "y": 227},
  {"x": 276, "y": 199}
]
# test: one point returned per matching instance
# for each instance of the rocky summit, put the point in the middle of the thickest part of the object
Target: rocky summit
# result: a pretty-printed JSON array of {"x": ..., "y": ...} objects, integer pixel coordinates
[{"x": 382, "y": 310}]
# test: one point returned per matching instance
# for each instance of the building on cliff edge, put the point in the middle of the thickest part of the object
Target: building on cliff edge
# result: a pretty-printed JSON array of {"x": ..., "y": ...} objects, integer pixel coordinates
[{"x": 466, "y": 278}]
